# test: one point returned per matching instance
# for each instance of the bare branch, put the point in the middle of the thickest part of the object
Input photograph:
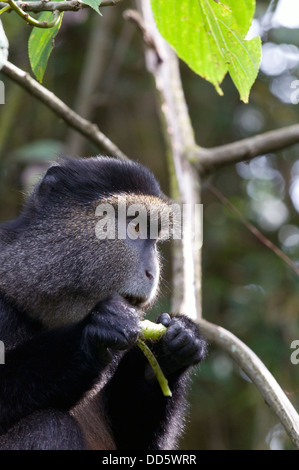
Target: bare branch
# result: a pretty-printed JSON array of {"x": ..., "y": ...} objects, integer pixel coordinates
[
  {"x": 72, "y": 5},
  {"x": 208, "y": 160},
  {"x": 85, "y": 127},
  {"x": 162, "y": 63},
  {"x": 258, "y": 373},
  {"x": 136, "y": 18},
  {"x": 32, "y": 21},
  {"x": 256, "y": 232}
]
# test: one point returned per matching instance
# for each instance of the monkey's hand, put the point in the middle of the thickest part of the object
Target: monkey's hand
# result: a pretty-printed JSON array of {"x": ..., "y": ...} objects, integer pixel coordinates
[
  {"x": 112, "y": 325},
  {"x": 181, "y": 346}
]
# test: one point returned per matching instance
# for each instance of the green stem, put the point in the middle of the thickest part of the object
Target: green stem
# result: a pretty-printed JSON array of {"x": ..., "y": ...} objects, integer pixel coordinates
[
  {"x": 33, "y": 21},
  {"x": 152, "y": 331},
  {"x": 156, "y": 368},
  {"x": 5, "y": 9}
]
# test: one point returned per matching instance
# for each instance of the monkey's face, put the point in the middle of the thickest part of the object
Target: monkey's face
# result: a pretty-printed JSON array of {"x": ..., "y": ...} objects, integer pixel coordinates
[
  {"x": 140, "y": 284},
  {"x": 130, "y": 254}
]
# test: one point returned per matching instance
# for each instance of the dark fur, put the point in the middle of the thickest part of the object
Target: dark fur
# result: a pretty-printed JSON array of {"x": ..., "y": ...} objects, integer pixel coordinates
[{"x": 73, "y": 378}]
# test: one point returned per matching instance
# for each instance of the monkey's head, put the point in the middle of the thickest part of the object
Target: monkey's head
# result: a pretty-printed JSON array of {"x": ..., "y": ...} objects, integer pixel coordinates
[{"x": 89, "y": 229}]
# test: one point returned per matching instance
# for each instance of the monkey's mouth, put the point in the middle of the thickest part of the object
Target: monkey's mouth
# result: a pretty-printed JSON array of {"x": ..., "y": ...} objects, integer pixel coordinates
[{"x": 136, "y": 301}]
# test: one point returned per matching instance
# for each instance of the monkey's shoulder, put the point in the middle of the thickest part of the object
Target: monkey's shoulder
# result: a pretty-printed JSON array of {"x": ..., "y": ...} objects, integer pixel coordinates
[{"x": 15, "y": 326}]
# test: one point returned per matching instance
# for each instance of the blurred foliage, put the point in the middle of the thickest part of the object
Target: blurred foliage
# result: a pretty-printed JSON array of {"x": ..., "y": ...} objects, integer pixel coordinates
[{"x": 246, "y": 288}]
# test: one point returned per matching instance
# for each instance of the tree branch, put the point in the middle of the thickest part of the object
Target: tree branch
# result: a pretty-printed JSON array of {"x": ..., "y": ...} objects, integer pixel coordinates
[
  {"x": 162, "y": 63},
  {"x": 208, "y": 160},
  {"x": 74, "y": 120},
  {"x": 32, "y": 21},
  {"x": 258, "y": 373},
  {"x": 256, "y": 232},
  {"x": 72, "y": 5}
]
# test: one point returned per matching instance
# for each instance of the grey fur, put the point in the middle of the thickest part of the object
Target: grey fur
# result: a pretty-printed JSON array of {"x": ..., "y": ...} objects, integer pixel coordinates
[{"x": 57, "y": 270}]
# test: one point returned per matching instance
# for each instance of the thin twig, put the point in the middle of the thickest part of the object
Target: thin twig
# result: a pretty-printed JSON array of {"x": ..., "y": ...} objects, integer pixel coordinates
[
  {"x": 209, "y": 160},
  {"x": 148, "y": 39},
  {"x": 258, "y": 373},
  {"x": 72, "y": 5},
  {"x": 252, "y": 228},
  {"x": 74, "y": 120},
  {"x": 33, "y": 21},
  {"x": 4, "y": 9}
]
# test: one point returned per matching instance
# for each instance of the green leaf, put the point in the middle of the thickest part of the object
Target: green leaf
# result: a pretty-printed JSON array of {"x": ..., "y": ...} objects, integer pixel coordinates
[
  {"x": 40, "y": 45},
  {"x": 3, "y": 46},
  {"x": 93, "y": 4},
  {"x": 209, "y": 37}
]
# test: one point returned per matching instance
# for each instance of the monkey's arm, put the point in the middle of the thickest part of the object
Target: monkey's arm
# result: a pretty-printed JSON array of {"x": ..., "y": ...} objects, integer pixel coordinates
[
  {"x": 55, "y": 368},
  {"x": 51, "y": 370},
  {"x": 140, "y": 416}
]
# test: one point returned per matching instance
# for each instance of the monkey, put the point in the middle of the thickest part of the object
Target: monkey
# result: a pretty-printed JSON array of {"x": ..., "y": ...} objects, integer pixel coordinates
[{"x": 70, "y": 309}]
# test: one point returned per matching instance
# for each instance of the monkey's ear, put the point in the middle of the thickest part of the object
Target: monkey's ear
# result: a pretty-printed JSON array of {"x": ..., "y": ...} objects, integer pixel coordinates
[{"x": 49, "y": 182}]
